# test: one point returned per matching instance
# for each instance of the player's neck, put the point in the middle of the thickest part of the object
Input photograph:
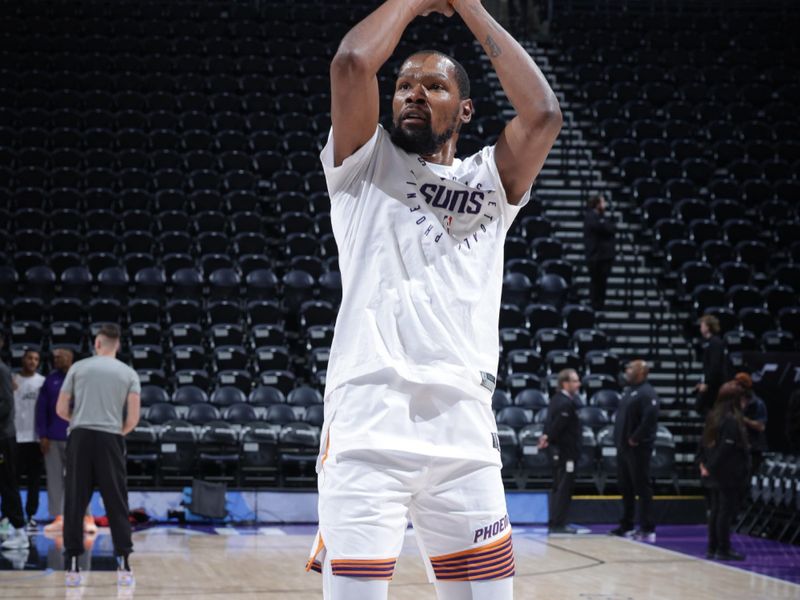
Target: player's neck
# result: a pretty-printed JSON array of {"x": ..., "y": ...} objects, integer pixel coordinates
[{"x": 443, "y": 155}]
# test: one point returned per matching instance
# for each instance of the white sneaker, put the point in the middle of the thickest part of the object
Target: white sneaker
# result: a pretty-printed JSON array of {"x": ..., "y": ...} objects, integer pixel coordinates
[
  {"x": 73, "y": 577},
  {"x": 16, "y": 540},
  {"x": 124, "y": 573},
  {"x": 125, "y": 578},
  {"x": 645, "y": 536},
  {"x": 32, "y": 525},
  {"x": 17, "y": 558},
  {"x": 5, "y": 527}
]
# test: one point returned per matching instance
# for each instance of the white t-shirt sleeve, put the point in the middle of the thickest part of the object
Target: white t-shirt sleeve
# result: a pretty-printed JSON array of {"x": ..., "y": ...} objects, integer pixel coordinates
[
  {"x": 135, "y": 385},
  {"x": 352, "y": 169},
  {"x": 510, "y": 211}
]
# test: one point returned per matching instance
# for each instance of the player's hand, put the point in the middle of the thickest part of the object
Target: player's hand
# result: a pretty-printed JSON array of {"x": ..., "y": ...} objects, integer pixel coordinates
[
  {"x": 14, "y": 383},
  {"x": 437, "y": 6},
  {"x": 44, "y": 445},
  {"x": 543, "y": 443},
  {"x": 703, "y": 471},
  {"x": 633, "y": 443},
  {"x": 701, "y": 387}
]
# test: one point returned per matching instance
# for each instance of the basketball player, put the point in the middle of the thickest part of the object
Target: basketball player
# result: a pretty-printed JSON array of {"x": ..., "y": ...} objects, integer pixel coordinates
[{"x": 409, "y": 430}]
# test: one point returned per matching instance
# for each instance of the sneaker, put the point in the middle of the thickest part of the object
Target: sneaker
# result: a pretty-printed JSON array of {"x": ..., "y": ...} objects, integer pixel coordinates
[
  {"x": 5, "y": 527},
  {"x": 73, "y": 576},
  {"x": 56, "y": 526},
  {"x": 711, "y": 554},
  {"x": 645, "y": 536},
  {"x": 124, "y": 573},
  {"x": 125, "y": 578},
  {"x": 566, "y": 529},
  {"x": 17, "y": 558},
  {"x": 622, "y": 532},
  {"x": 88, "y": 525},
  {"x": 32, "y": 525},
  {"x": 18, "y": 539},
  {"x": 730, "y": 555}
]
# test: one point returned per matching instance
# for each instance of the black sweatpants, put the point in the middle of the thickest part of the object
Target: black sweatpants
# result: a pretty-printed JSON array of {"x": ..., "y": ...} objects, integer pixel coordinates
[
  {"x": 561, "y": 494},
  {"x": 96, "y": 458},
  {"x": 9, "y": 487},
  {"x": 30, "y": 462},
  {"x": 633, "y": 472},
  {"x": 724, "y": 504},
  {"x": 599, "y": 271}
]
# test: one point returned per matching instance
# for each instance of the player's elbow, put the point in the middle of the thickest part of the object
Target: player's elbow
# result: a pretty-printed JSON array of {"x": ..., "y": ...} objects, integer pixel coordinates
[
  {"x": 545, "y": 119},
  {"x": 549, "y": 117},
  {"x": 348, "y": 64}
]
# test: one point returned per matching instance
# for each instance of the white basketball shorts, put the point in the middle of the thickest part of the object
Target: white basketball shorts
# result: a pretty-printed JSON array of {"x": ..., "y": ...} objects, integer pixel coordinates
[{"x": 367, "y": 496}]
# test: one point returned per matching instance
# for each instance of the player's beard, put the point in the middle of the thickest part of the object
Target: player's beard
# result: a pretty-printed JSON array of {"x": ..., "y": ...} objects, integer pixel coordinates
[{"x": 422, "y": 140}]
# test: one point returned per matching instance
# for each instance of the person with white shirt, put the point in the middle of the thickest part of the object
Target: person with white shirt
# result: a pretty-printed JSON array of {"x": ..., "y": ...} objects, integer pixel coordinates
[
  {"x": 27, "y": 384},
  {"x": 409, "y": 429}
]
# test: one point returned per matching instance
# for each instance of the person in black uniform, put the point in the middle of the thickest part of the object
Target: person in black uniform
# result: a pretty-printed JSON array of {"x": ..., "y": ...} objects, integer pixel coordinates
[
  {"x": 634, "y": 435},
  {"x": 9, "y": 490},
  {"x": 598, "y": 234},
  {"x": 562, "y": 433},
  {"x": 754, "y": 417},
  {"x": 725, "y": 462},
  {"x": 713, "y": 364}
]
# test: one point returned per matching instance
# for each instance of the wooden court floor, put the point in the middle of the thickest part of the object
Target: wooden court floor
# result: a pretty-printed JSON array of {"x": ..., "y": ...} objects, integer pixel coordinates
[{"x": 175, "y": 563}]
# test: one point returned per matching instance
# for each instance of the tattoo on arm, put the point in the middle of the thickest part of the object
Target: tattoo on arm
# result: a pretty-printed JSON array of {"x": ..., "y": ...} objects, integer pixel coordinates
[{"x": 492, "y": 47}]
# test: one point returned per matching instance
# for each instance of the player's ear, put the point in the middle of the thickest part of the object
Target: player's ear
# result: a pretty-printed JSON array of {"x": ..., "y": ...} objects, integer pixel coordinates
[{"x": 467, "y": 110}]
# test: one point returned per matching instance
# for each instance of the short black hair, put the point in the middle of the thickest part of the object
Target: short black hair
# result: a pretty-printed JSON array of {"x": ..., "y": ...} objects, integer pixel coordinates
[{"x": 462, "y": 79}]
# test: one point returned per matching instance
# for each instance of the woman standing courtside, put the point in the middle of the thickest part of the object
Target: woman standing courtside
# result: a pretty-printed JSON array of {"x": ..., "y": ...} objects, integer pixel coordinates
[{"x": 724, "y": 460}]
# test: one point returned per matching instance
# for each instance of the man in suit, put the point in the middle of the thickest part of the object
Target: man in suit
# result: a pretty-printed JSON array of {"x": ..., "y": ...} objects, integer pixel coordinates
[
  {"x": 598, "y": 236},
  {"x": 562, "y": 433},
  {"x": 635, "y": 434}
]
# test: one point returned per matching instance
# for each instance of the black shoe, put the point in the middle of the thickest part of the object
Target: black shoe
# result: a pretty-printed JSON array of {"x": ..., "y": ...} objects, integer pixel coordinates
[
  {"x": 560, "y": 530},
  {"x": 730, "y": 555},
  {"x": 711, "y": 554},
  {"x": 621, "y": 532}
]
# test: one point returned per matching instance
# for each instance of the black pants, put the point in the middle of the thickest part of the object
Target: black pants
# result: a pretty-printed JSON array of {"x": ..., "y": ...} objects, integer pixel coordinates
[
  {"x": 30, "y": 462},
  {"x": 96, "y": 458},
  {"x": 633, "y": 472},
  {"x": 9, "y": 488},
  {"x": 599, "y": 270},
  {"x": 724, "y": 504},
  {"x": 561, "y": 494}
]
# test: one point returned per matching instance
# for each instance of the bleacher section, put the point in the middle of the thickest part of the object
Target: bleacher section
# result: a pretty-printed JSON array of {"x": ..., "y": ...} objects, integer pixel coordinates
[{"x": 694, "y": 116}]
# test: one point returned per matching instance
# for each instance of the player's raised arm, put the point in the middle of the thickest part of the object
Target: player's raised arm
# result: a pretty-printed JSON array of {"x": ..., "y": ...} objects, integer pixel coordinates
[
  {"x": 354, "y": 68},
  {"x": 526, "y": 140}
]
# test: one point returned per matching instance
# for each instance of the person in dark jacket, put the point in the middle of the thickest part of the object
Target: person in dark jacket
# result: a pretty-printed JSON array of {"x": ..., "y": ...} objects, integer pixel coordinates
[
  {"x": 725, "y": 461},
  {"x": 713, "y": 364},
  {"x": 634, "y": 435},
  {"x": 598, "y": 236},
  {"x": 755, "y": 418},
  {"x": 562, "y": 434},
  {"x": 9, "y": 490},
  {"x": 52, "y": 431}
]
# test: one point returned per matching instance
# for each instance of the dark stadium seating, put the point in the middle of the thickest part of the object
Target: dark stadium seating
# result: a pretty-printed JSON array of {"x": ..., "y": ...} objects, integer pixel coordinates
[{"x": 158, "y": 171}]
